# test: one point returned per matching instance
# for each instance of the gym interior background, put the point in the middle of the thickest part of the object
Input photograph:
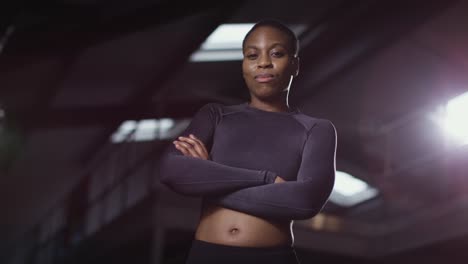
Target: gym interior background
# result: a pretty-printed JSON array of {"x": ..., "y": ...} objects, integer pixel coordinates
[{"x": 92, "y": 92}]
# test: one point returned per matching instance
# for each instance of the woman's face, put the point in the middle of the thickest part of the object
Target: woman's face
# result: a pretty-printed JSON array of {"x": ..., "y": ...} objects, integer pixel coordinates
[{"x": 268, "y": 62}]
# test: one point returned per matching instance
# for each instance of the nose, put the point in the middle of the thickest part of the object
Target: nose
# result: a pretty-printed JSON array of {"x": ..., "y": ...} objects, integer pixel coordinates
[{"x": 264, "y": 61}]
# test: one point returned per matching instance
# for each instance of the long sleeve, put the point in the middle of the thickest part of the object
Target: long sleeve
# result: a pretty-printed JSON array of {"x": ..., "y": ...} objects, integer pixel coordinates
[
  {"x": 300, "y": 199},
  {"x": 196, "y": 177}
]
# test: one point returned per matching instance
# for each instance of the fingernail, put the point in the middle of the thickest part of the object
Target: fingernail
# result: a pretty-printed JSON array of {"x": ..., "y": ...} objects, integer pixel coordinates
[{"x": 192, "y": 136}]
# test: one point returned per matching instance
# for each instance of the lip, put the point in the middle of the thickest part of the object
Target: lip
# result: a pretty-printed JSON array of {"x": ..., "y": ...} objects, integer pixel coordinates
[{"x": 264, "y": 77}]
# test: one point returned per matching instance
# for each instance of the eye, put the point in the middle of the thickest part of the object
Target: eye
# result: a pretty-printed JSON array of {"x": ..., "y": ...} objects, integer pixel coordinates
[
  {"x": 251, "y": 56},
  {"x": 277, "y": 54}
]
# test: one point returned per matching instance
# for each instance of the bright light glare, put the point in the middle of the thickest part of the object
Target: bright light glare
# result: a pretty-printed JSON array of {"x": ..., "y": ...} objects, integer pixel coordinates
[
  {"x": 225, "y": 55},
  {"x": 146, "y": 130},
  {"x": 225, "y": 43},
  {"x": 143, "y": 130},
  {"x": 456, "y": 118},
  {"x": 227, "y": 36},
  {"x": 349, "y": 190},
  {"x": 125, "y": 128},
  {"x": 348, "y": 185}
]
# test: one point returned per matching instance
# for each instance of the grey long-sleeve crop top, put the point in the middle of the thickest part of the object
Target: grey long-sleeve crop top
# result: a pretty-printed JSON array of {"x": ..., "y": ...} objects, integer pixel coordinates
[{"x": 248, "y": 149}]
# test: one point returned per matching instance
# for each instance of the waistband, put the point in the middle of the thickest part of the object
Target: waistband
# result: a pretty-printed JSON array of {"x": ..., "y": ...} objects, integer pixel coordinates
[{"x": 240, "y": 249}]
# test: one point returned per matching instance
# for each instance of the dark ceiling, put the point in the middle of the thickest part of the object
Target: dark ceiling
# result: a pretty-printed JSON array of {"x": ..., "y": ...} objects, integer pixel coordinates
[{"x": 72, "y": 71}]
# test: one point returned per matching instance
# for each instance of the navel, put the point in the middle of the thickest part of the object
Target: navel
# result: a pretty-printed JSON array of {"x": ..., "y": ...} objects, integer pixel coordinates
[{"x": 233, "y": 231}]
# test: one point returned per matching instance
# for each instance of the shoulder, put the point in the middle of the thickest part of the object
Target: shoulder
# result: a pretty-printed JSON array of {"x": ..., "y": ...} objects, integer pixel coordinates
[
  {"x": 314, "y": 124},
  {"x": 222, "y": 109},
  {"x": 216, "y": 111},
  {"x": 211, "y": 106},
  {"x": 309, "y": 122},
  {"x": 326, "y": 126},
  {"x": 212, "y": 109},
  {"x": 323, "y": 131},
  {"x": 209, "y": 111}
]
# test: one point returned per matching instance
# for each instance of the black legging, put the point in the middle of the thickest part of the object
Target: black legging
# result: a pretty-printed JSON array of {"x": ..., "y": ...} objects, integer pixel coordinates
[{"x": 203, "y": 252}]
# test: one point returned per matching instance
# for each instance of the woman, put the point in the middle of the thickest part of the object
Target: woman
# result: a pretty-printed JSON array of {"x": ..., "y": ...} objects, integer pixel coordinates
[{"x": 258, "y": 165}]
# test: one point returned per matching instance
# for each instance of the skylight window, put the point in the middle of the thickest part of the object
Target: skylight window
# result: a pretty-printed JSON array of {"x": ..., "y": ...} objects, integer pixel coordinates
[
  {"x": 453, "y": 118},
  {"x": 226, "y": 36},
  {"x": 225, "y": 43},
  {"x": 349, "y": 191},
  {"x": 148, "y": 129}
]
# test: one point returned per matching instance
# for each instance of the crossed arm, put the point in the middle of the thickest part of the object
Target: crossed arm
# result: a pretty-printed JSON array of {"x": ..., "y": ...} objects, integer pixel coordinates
[
  {"x": 300, "y": 199},
  {"x": 191, "y": 146},
  {"x": 187, "y": 169}
]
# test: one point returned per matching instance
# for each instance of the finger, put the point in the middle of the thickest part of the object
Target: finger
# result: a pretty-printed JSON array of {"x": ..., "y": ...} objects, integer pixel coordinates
[
  {"x": 182, "y": 149},
  {"x": 189, "y": 148},
  {"x": 186, "y": 151},
  {"x": 201, "y": 144},
  {"x": 188, "y": 140},
  {"x": 198, "y": 144},
  {"x": 200, "y": 149},
  {"x": 278, "y": 179}
]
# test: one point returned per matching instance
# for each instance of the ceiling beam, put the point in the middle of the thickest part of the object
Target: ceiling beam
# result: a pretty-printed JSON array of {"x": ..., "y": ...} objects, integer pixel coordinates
[
  {"x": 352, "y": 37},
  {"x": 55, "y": 30},
  {"x": 209, "y": 20},
  {"x": 101, "y": 116}
]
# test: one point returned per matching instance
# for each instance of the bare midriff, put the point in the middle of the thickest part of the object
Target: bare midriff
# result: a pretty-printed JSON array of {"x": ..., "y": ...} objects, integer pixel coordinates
[{"x": 228, "y": 227}]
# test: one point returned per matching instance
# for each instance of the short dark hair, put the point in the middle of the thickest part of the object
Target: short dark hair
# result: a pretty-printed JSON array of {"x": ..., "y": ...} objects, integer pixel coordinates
[{"x": 294, "y": 41}]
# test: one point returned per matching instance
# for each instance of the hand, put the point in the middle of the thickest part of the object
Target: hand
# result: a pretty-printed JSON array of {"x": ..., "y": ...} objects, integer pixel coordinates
[
  {"x": 191, "y": 146},
  {"x": 279, "y": 179}
]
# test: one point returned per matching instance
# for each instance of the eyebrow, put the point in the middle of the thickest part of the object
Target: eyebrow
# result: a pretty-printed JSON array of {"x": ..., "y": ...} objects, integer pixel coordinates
[{"x": 272, "y": 46}]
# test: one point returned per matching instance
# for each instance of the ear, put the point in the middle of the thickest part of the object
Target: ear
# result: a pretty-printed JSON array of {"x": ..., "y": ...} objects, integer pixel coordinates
[{"x": 295, "y": 64}]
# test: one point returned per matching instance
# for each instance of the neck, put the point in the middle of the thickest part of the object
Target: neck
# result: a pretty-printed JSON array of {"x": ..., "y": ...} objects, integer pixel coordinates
[{"x": 280, "y": 105}]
